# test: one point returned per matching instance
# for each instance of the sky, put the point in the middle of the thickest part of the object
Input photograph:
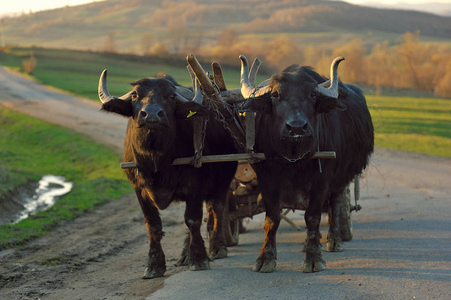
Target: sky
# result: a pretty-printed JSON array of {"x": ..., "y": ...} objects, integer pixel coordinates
[{"x": 10, "y": 6}]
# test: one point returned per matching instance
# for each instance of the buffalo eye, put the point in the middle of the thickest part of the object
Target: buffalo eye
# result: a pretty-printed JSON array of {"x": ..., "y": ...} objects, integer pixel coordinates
[
  {"x": 313, "y": 94},
  {"x": 275, "y": 95},
  {"x": 172, "y": 96},
  {"x": 134, "y": 96}
]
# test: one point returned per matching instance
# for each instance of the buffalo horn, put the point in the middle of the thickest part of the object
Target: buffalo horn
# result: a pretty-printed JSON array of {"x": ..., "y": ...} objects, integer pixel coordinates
[
  {"x": 332, "y": 90},
  {"x": 104, "y": 95},
  {"x": 254, "y": 70},
  {"x": 198, "y": 97},
  {"x": 247, "y": 89}
]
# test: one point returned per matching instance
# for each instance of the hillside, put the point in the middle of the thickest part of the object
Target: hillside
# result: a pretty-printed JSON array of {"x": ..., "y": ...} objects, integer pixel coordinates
[{"x": 135, "y": 26}]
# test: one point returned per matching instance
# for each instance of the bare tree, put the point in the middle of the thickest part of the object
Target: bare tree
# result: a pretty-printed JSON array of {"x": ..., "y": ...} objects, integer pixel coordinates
[
  {"x": 354, "y": 69},
  {"x": 146, "y": 43},
  {"x": 412, "y": 55},
  {"x": 282, "y": 52},
  {"x": 110, "y": 44},
  {"x": 227, "y": 38}
]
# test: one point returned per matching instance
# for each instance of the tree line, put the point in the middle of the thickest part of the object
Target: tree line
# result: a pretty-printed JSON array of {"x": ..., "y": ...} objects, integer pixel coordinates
[{"x": 409, "y": 63}]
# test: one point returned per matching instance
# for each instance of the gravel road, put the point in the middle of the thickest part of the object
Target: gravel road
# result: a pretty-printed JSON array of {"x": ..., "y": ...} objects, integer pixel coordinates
[{"x": 401, "y": 247}]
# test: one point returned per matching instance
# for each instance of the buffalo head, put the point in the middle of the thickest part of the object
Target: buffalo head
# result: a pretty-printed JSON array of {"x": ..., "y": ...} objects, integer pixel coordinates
[
  {"x": 152, "y": 102},
  {"x": 153, "y": 107},
  {"x": 290, "y": 102}
]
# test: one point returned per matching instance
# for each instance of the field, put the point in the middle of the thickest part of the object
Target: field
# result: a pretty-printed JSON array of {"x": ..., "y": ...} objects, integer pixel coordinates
[
  {"x": 421, "y": 125},
  {"x": 78, "y": 72}
]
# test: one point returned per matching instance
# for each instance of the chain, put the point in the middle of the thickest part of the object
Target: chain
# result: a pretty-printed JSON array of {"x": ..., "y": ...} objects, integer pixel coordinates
[
  {"x": 294, "y": 159},
  {"x": 211, "y": 105}
]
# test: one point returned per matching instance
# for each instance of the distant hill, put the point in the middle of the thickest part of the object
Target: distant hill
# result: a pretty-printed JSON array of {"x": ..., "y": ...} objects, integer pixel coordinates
[{"x": 129, "y": 25}]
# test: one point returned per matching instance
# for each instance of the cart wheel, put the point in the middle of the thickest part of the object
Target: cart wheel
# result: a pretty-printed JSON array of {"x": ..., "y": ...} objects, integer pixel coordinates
[
  {"x": 232, "y": 227},
  {"x": 344, "y": 217},
  {"x": 234, "y": 233}
]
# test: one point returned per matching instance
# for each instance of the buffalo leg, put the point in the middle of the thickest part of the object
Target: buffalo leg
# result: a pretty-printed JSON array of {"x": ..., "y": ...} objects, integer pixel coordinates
[
  {"x": 334, "y": 242},
  {"x": 183, "y": 260},
  {"x": 266, "y": 262},
  {"x": 198, "y": 258},
  {"x": 217, "y": 248},
  {"x": 313, "y": 259},
  {"x": 156, "y": 265}
]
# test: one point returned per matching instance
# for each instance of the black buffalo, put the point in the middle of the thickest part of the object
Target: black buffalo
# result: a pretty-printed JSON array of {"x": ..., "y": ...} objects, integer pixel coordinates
[
  {"x": 297, "y": 115},
  {"x": 160, "y": 129}
]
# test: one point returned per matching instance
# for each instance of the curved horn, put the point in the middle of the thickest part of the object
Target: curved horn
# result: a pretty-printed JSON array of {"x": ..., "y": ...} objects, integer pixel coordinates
[
  {"x": 247, "y": 89},
  {"x": 254, "y": 69},
  {"x": 331, "y": 91},
  {"x": 104, "y": 95},
  {"x": 198, "y": 97}
]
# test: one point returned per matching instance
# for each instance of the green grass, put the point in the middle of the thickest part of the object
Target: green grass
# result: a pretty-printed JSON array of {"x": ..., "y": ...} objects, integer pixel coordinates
[
  {"x": 31, "y": 148},
  {"x": 421, "y": 125},
  {"x": 78, "y": 72}
]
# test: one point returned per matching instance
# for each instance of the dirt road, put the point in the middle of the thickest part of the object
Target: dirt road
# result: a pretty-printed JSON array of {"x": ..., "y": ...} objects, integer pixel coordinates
[{"x": 400, "y": 250}]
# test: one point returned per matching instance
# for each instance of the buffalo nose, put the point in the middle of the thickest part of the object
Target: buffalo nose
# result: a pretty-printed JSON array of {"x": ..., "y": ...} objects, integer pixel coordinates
[
  {"x": 298, "y": 127},
  {"x": 151, "y": 114}
]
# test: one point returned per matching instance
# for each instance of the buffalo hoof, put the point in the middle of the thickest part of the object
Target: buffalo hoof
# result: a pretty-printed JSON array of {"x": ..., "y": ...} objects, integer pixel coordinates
[
  {"x": 314, "y": 266},
  {"x": 334, "y": 246},
  {"x": 219, "y": 253},
  {"x": 183, "y": 261},
  {"x": 264, "y": 266},
  {"x": 204, "y": 265},
  {"x": 150, "y": 274}
]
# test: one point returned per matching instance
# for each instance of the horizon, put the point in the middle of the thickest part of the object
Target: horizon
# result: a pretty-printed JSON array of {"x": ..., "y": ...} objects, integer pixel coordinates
[{"x": 27, "y": 6}]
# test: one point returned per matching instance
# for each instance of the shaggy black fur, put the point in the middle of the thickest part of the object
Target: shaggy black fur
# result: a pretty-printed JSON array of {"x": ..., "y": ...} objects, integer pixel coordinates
[
  {"x": 293, "y": 121},
  {"x": 158, "y": 132}
]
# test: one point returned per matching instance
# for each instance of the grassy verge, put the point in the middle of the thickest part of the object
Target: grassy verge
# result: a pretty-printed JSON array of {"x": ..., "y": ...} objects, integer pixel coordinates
[
  {"x": 31, "y": 148},
  {"x": 420, "y": 125}
]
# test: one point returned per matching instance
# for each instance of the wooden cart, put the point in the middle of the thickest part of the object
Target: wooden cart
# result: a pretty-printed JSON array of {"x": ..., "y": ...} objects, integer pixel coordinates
[{"x": 244, "y": 201}]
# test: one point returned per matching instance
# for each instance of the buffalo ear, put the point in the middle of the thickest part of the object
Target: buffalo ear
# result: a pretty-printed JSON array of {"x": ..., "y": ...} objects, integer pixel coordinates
[
  {"x": 257, "y": 105},
  {"x": 326, "y": 104},
  {"x": 185, "y": 110},
  {"x": 118, "y": 106}
]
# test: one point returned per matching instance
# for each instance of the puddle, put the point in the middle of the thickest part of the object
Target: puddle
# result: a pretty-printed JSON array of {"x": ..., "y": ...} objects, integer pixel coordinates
[{"x": 33, "y": 198}]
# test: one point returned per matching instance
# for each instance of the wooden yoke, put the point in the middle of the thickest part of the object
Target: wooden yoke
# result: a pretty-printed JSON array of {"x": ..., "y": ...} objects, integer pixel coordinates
[
  {"x": 216, "y": 97},
  {"x": 214, "y": 100},
  {"x": 199, "y": 125},
  {"x": 250, "y": 116}
]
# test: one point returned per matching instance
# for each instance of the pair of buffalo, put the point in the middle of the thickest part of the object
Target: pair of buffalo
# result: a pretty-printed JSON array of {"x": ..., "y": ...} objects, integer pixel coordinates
[{"x": 297, "y": 112}]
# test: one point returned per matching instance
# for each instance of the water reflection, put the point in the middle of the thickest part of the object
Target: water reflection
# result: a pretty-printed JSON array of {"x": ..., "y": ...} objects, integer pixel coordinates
[{"x": 48, "y": 191}]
